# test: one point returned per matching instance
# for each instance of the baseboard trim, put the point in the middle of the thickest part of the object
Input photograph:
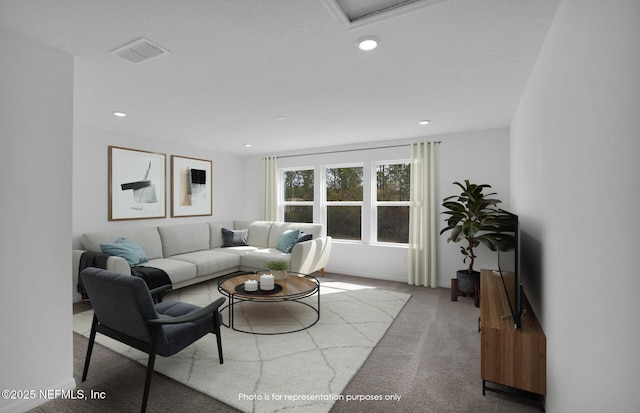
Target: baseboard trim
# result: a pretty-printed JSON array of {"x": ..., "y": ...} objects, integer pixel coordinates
[{"x": 384, "y": 277}]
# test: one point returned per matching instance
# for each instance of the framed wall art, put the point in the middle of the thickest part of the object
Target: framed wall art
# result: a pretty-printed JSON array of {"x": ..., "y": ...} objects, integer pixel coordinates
[
  {"x": 190, "y": 187},
  {"x": 137, "y": 184}
]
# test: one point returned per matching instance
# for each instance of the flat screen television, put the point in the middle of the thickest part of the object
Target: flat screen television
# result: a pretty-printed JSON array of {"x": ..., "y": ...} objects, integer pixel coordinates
[{"x": 508, "y": 246}]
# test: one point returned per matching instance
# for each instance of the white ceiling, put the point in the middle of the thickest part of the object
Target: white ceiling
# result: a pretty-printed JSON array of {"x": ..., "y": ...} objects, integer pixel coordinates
[{"x": 234, "y": 67}]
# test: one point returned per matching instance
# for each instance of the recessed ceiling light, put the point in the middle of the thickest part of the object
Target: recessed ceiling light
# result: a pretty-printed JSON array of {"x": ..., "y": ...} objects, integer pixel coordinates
[
  {"x": 280, "y": 118},
  {"x": 424, "y": 122},
  {"x": 367, "y": 43},
  {"x": 119, "y": 114},
  {"x": 247, "y": 145}
]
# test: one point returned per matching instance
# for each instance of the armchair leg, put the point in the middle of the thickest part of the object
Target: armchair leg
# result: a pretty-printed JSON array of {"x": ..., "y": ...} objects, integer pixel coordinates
[
  {"x": 218, "y": 339},
  {"x": 92, "y": 339},
  {"x": 147, "y": 382}
]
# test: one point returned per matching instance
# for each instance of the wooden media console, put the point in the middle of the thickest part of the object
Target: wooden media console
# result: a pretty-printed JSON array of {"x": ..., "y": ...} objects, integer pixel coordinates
[{"x": 515, "y": 358}]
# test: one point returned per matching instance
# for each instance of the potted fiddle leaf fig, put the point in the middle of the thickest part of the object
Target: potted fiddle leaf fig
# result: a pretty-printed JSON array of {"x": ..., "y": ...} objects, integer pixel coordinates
[{"x": 472, "y": 215}]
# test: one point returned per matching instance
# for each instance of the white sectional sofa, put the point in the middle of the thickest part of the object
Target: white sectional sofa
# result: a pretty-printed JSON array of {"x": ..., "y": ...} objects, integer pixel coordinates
[{"x": 192, "y": 253}]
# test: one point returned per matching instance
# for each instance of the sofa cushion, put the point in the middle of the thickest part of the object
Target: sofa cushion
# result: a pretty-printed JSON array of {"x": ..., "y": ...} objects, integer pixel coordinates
[
  {"x": 234, "y": 238},
  {"x": 316, "y": 230},
  {"x": 215, "y": 232},
  {"x": 147, "y": 238},
  {"x": 242, "y": 224},
  {"x": 259, "y": 233},
  {"x": 178, "y": 271},
  {"x": 210, "y": 261},
  {"x": 256, "y": 260},
  {"x": 240, "y": 250},
  {"x": 180, "y": 239},
  {"x": 126, "y": 249},
  {"x": 287, "y": 240}
]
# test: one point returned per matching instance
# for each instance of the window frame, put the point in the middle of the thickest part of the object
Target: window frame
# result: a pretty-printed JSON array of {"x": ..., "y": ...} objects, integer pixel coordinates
[
  {"x": 325, "y": 203},
  {"x": 368, "y": 205},
  {"x": 283, "y": 203},
  {"x": 375, "y": 203}
]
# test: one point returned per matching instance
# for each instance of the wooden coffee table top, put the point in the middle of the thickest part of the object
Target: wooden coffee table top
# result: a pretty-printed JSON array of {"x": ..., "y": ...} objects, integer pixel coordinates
[{"x": 294, "y": 287}]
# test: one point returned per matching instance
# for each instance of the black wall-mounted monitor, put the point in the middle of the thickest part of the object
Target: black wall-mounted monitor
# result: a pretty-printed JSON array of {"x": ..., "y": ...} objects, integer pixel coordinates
[{"x": 508, "y": 243}]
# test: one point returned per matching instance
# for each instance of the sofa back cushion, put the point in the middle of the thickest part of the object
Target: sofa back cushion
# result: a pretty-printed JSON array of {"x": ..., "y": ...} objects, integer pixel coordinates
[
  {"x": 259, "y": 233},
  {"x": 215, "y": 232},
  {"x": 180, "y": 239},
  {"x": 278, "y": 228},
  {"x": 147, "y": 238}
]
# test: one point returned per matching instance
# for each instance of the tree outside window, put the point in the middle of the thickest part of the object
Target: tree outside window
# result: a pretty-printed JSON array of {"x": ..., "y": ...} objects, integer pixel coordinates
[
  {"x": 342, "y": 205},
  {"x": 393, "y": 182},
  {"x": 298, "y": 195},
  {"x": 344, "y": 192}
]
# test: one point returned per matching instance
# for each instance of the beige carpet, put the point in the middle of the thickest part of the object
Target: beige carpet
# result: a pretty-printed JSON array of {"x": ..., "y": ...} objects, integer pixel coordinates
[{"x": 304, "y": 371}]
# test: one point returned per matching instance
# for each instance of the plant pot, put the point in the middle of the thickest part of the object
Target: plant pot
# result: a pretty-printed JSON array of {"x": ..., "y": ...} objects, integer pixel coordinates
[
  {"x": 466, "y": 281},
  {"x": 279, "y": 274}
]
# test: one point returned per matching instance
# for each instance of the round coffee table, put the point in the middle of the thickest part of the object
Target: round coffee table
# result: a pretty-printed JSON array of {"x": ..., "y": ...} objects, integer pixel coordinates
[{"x": 294, "y": 288}]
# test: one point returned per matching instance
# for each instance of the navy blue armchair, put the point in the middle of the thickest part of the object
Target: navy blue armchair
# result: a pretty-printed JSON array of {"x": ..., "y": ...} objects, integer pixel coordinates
[{"x": 124, "y": 310}]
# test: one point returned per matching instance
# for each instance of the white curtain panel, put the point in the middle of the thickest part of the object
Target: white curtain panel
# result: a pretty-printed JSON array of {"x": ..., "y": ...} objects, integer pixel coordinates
[
  {"x": 270, "y": 204},
  {"x": 422, "y": 216}
]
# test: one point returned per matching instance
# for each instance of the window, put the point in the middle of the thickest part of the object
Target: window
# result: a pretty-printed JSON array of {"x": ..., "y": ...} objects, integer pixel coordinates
[
  {"x": 392, "y": 202},
  {"x": 344, "y": 191},
  {"x": 298, "y": 195},
  {"x": 359, "y": 197}
]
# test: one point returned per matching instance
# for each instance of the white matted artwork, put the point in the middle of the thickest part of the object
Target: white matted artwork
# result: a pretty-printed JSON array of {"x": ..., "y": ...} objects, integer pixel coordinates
[
  {"x": 137, "y": 184},
  {"x": 190, "y": 187}
]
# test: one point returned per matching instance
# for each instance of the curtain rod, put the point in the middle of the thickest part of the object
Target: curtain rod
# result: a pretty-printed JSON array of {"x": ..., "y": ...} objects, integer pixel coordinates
[{"x": 349, "y": 150}]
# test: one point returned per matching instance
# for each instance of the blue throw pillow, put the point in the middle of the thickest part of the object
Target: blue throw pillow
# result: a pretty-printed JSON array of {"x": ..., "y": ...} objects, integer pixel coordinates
[
  {"x": 126, "y": 249},
  {"x": 287, "y": 240}
]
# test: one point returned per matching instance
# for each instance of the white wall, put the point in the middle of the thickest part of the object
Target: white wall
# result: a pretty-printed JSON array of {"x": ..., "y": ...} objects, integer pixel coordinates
[
  {"x": 36, "y": 115},
  {"x": 481, "y": 156},
  {"x": 575, "y": 183},
  {"x": 90, "y": 182}
]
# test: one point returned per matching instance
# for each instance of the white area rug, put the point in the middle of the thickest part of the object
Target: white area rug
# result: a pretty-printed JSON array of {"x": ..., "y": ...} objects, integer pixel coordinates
[{"x": 304, "y": 371}]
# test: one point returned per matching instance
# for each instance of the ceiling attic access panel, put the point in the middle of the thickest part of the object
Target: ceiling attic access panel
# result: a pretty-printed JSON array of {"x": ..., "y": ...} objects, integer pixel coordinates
[{"x": 357, "y": 13}]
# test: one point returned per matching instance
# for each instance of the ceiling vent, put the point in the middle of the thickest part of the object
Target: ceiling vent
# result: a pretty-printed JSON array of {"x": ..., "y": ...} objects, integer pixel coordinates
[{"x": 140, "y": 50}]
